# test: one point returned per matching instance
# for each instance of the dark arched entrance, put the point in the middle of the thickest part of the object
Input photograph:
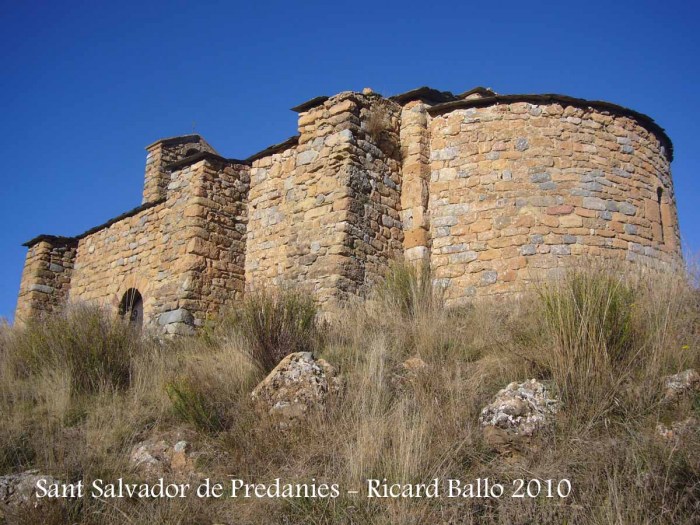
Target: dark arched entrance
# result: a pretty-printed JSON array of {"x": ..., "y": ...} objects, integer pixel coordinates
[{"x": 131, "y": 307}]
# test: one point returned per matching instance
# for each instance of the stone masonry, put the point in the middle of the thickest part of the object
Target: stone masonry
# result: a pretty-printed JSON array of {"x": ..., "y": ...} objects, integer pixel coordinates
[{"x": 492, "y": 191}]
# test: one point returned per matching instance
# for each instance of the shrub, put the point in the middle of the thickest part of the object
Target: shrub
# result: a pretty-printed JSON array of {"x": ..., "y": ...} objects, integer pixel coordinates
[
  {"x": 376, "y": 121},
  {"x": 275, "y": 325},
  {"x": 96, "y": 348},
  {"x": 588, "y": 316}
]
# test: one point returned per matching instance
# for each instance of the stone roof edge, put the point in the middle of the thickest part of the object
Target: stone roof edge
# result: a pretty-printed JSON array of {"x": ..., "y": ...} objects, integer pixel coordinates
[
  {"x": 54, "y": 239},
  {"x": 181, "y": 139},
  {"x": 275, "y": 148},
  {"x": 309, "y": 104},
  {"x": 57, "y": 239},
  {"x": 550, "y": 98},
  {"x": 202, "y": 155},
  {"x": 479, "y": 90},
  {"x": 424, "y": 93}
]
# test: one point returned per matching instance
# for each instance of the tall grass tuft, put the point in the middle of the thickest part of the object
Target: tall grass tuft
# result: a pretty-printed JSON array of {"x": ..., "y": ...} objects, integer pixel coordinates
[
  {"x": 192, "y": 405},
  {"x": 409, "y": 289},
  {"x": 611, "y": 335},
  {"x": 275, "y": 324}
]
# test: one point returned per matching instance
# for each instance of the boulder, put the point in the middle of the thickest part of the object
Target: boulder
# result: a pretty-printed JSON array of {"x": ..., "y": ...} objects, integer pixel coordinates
[
  {"x": 18, "y": 493},
  {"x": 516, "y": 414},
  {"x": 298, "y": 386},
  {"x": 681, "y": 384}
]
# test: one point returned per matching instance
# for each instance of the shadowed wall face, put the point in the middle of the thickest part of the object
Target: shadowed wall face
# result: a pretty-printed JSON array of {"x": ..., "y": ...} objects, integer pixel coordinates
[{"x": 324, "y": 214}]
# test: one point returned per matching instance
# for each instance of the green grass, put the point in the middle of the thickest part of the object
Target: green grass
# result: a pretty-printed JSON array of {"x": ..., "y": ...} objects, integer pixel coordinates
[{"x": 192, "y": 406}]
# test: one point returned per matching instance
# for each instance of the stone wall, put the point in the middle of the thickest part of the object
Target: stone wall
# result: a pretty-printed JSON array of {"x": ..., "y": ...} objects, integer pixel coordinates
[
  {"x": 46, "y": 278},
  {"x": 493, "y": 191},
  {"x": 184, "y": 254},
  {"x": 215, "y": 219},
  {"x": 520, "y": 190},
  {"x": 143, "y": 251},
  {"x": 324, "y": 213}
]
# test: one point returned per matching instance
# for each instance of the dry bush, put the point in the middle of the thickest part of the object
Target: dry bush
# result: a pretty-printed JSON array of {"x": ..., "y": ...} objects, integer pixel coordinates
[
  {"x": 375, "y": 123},
  {"x": 96, "y": 348},
  {"x": 53, "y": 372},
  {"x": 274, "y": 324},
  {"x": 210, "y": 385},
  {"x": 408, "y": 289}
]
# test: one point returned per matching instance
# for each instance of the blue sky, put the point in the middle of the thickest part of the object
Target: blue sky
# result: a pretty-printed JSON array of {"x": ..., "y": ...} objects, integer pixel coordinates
[{"x": 86, "y": 86}]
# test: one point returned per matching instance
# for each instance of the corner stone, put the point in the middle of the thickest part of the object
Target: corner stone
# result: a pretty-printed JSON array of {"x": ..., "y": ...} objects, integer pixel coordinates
[{"x": 175, "y": 316}]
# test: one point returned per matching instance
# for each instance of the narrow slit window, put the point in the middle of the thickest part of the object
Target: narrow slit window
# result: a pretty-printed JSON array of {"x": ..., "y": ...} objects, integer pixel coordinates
[{"x": 659, "y": 195}]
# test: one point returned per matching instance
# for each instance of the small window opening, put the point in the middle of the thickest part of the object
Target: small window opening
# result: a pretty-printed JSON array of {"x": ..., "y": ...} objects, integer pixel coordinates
[
  {"x": 191, "y": 151},
  {"x": 659, "y": 195},
  {"x": 131, "y": 307}
]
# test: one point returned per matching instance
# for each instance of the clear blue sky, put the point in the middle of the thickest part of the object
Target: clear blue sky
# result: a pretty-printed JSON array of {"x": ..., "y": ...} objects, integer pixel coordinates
[{"x": 86, "y": 86}]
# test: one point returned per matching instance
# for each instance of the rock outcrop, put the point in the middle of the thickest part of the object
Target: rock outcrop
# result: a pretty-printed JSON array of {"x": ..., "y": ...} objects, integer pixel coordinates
[
  {"x": 298, "y": 386},
  {"x": 681, "y": 384},
  {"x": 517, "y": 414},
  {"x": 18, "y": 493},
  {"x": 679, "y": 391},
  {"x": 675, "y": 432},
  {"x": 167, "y": 455}
]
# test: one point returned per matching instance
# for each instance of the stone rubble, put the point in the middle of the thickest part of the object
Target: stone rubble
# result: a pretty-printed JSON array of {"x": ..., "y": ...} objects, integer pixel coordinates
[
  {"x": 165, "y": 455},
  {"x": 517, "y": 413},
  {"x": 409, "y": 372},
  {"x": 677, "y": 430}
]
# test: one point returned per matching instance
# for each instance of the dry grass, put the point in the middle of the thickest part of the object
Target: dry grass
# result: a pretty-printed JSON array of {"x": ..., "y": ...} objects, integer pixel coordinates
[{"x": 604, "y": 339}]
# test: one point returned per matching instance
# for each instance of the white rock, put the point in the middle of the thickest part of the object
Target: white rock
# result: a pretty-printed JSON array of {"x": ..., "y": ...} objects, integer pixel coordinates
[
  {"x": 18, "y": 492},
  {"x": 518, "y": 412},
  {"x": 298, "y": 385},
  {"x": 682, "y": 383}
]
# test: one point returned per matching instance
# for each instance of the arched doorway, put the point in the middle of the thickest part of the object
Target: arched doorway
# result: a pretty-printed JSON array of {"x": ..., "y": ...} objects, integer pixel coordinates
[{"x": 131, "y": 307}]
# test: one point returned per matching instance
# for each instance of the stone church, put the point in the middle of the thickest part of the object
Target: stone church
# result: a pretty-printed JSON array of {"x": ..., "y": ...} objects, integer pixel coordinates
[{"x": 492, "y": 191}]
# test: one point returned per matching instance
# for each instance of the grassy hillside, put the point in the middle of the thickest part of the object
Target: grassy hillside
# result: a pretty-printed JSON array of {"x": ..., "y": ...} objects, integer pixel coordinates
[{"x": 79, "y": 391}]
